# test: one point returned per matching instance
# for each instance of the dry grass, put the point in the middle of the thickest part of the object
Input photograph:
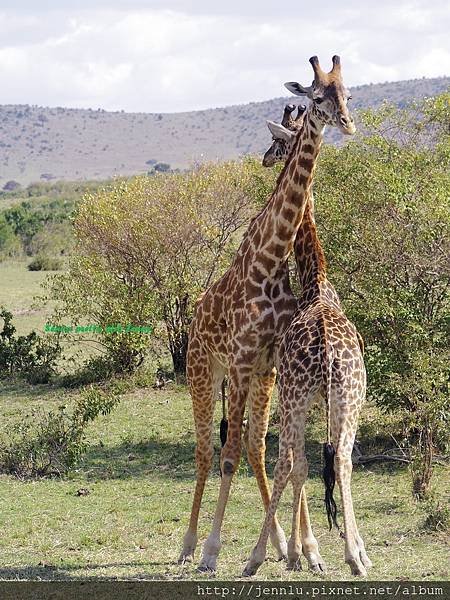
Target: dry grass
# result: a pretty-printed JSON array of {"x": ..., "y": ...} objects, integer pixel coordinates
[{"x": 140, "y": 476}]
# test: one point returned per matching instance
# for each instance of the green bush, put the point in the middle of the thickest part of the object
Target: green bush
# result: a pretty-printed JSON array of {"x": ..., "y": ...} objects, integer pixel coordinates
[
  {"x": 95, "y": 369},
  {"x": 382, "y": 211},
  {"x": 45, "y": 263},
  {"x": 29, "y": 356},
  {"x": 149, "y": 246},
  {"x": 40, "y": 218},
  {"x": 437, "y": 516},
  {"x": 51, "y": 443},
  {"x": 9, "y": 244}
]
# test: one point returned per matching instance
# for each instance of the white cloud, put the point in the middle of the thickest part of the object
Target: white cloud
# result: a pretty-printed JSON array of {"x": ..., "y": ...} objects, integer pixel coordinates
[{"x": 144, "y": 59}]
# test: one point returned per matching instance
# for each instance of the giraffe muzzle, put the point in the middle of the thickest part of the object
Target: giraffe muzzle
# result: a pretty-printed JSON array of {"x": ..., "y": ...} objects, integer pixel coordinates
[{"x": 346, "y": 125}]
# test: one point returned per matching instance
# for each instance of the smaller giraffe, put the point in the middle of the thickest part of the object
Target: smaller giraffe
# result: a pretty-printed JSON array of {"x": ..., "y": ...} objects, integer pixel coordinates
[
  {"x": 321, "y": 354},
  {"x": 282, "y": 141}
]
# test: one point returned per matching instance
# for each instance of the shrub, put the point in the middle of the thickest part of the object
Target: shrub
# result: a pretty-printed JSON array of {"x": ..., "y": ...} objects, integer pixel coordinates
[
  {"x": 45, "y": 263},
  {"x": 51, "y": 443},
  {"x": 40, "y": 222},
  {"x": 55, "y": 239},
  {"x": 382, "y": 210},
  {"x": 11, "y": 186},
  {"x": 149, "y": 246},
  {"x": 438, "y": 516},
  {"x": 162, "y": 167},
  {"x": 9, "y": 243},
  {"x": 28, "y": 356},
  {"x": 95, "y": 369}
]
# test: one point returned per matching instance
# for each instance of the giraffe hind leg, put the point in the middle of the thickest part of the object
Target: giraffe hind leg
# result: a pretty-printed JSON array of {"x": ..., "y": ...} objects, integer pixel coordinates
[
  {"x": 259, "y": 411},
  {"x": 302, "y": 540},
  {"x": 344, "y": 424},
  {"x": 282, "y": 473},
  {"x": 239, "y": 381}
]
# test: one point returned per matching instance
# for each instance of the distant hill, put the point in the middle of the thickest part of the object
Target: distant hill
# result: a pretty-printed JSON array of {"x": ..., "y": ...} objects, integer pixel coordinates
[{"x": 59, "y": 143}]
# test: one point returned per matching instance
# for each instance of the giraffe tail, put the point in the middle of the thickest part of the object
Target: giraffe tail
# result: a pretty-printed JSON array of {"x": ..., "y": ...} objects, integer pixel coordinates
[
  {"x": 328, "y": 473},
  {"x": 224, "y": 421},
  {"x": 329, "y": 479}
]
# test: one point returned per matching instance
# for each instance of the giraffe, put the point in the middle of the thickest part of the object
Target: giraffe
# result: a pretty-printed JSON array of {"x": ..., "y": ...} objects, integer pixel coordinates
[
  {"x": 320, "y": 355},
  {"x": 282, "y": 140},
  {"x": 240, "y": 317}
]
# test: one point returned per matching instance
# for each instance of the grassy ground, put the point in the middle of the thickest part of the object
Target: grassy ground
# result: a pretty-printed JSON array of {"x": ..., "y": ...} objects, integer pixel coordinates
[
  {"x": 18, "y": 286},
  {"x": 140, "y": 474},
  {"x": 19, "y": 290}
]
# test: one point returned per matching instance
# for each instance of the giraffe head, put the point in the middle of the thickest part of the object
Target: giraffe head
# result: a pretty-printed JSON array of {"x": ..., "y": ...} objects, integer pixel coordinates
[
  {"x": 283, "y": 135},
  {"x": 329, "y": 96}
]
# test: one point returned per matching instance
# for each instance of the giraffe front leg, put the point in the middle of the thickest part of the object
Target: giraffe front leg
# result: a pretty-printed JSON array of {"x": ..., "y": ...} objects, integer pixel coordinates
[
  {"x": 282, "y": 472},
  {"x": 229, "y": 461}
]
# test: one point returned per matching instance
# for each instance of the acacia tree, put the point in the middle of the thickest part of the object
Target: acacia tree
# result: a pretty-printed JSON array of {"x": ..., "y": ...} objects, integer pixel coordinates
[
  {"x": 382, "y": 210},
  {"x": 147, "y": 247}
]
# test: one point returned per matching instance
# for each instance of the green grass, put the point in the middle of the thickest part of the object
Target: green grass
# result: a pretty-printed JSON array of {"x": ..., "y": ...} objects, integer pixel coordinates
[
  {"x": 18, "y": 286},
  {"x": 140, "y": 472},
  {"x": 18, "y": 289}
]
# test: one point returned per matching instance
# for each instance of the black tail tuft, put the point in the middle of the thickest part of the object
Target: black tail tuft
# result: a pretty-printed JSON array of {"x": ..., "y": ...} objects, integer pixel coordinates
[
  {"x": 329, "y": 479},
  {"x": 223, "y": 434},
  {"x": 223, "y": 431}
]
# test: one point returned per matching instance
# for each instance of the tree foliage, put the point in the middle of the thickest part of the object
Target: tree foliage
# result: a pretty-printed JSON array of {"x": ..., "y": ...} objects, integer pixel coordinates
[
  {"x": 383, "y": 213},
  {"x": 147, "y": 247}
]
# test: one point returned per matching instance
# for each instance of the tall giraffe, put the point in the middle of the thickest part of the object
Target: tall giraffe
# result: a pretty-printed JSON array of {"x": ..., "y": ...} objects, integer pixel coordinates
[
  {"x": 321, "y": 354},
  {"x": 240, "y": 318}
]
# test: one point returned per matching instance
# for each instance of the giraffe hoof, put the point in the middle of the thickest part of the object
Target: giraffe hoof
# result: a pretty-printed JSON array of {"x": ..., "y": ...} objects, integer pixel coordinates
[
  {"x": 189, "y": 545},
  {"x": 205, "y": 569},
  {"x": 294, "y": 565},
  {"x": 207, "y": 564},
  {"x": 318, "y": 568},
  {"x": 185, "y": 558},
  {"x": 278, "y": 540},
  {"x": 357, "y": 568},
  {"x": 250, "y": 570}
]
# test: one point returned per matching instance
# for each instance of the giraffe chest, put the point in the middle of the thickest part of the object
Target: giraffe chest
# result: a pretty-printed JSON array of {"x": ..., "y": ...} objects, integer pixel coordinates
[{"x": 246, "y": 334}]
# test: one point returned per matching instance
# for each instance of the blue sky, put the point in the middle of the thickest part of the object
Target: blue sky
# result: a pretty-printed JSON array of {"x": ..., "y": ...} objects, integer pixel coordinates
[{"x": 171, "y": 56}]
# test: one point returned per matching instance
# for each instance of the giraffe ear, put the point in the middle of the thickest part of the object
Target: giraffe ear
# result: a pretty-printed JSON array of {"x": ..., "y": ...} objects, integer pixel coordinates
[
  {"x": 279, "y": 132},
  {"x": 298, "y": 89}
]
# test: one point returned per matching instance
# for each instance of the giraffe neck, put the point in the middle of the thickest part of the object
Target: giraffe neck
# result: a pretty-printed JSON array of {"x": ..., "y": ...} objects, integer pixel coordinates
[
  {"x": 310, "y": 261},
  {"x": 273, "y": 231}
]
